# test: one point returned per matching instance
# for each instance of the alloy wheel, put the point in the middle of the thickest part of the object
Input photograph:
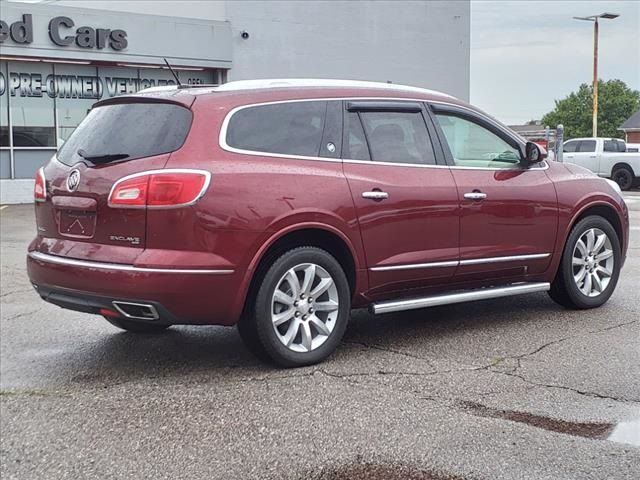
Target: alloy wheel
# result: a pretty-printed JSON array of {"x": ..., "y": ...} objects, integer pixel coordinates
[
  {"x": 593, "y": 262},
  {"x": 304, "y": 307}
]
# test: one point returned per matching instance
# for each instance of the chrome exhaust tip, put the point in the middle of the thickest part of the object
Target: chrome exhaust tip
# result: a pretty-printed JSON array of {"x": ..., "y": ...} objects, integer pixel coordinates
[{"x": 136, "y": 311}]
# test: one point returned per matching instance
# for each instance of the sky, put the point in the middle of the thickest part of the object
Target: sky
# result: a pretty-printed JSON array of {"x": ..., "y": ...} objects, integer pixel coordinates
[{"x": 526, "y": 54}]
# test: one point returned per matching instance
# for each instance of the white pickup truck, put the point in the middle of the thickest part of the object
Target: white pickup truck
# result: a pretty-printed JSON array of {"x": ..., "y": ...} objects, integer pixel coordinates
[{"x": 606, "y": 157}]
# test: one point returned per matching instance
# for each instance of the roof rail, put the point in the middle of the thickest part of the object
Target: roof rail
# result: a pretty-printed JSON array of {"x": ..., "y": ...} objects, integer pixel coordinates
[
  {"x": 320, "y": 82},
  {"x": 299, "y": 83}
]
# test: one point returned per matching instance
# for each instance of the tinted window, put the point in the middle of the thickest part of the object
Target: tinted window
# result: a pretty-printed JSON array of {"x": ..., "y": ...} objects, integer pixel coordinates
[
  {"x": 355, "y": 142},
  {"x": 398, "y": 137},
  {"x": 473, "y": 145},
  {"x": 587, "y": 146},
  {"x": 611, "y": 146},
  {"x": 622, "y": 147},
  {"x": 570, "y": 147},
  {"x": 286, "y": 128},
  {"x": 332, "y": 136},
  {"x": 132, "y": 129}
]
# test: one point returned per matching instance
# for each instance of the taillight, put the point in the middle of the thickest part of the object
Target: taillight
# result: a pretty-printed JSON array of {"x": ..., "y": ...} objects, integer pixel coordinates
[
  {"x": 159, "y": 189},
  {"x": 40, "y": 187}
]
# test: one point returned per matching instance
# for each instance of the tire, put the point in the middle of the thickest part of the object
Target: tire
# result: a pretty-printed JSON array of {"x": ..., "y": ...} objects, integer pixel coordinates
[
  {"x": 136, "y": 327},
  {"x": 623, "y": 176},
  {"x": 571, "y": 283},
  {"x": 284, "y": 309}
]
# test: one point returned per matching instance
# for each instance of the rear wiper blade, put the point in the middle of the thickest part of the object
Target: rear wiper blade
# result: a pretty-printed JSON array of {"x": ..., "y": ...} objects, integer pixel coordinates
[{"x": 102, "y": 158}]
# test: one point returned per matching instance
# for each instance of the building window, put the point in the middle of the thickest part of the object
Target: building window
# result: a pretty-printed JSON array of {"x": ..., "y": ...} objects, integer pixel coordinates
[
  {"x": 4, "y": 106},
  {"x": 42, "y": 103},
  {"x": 32, "y": 107},
  {"x": 77, "y": 88}
]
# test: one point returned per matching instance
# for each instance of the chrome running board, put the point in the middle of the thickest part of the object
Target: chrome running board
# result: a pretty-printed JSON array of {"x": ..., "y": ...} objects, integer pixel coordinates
[{"x": 467, "y": 296}]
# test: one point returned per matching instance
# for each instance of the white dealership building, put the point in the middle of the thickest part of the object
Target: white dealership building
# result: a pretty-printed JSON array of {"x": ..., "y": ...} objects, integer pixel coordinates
[{"x": 58, "y": 57}]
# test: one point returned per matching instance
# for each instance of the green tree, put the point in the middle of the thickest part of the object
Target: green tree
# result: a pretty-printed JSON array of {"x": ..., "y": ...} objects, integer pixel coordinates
[{"x": 616, "y": 103}]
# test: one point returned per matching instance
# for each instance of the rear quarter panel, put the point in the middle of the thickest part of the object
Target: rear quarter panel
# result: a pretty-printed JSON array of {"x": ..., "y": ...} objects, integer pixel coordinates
[{"x": 251, "y": 202}]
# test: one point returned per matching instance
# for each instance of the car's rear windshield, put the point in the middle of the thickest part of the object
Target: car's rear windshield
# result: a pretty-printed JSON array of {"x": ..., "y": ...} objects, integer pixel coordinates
[{"x": 127, "y": 131}]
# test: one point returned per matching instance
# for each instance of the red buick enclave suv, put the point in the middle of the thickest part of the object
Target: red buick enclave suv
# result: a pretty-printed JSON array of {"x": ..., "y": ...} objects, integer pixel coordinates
[{"x": 281, "y": 205}]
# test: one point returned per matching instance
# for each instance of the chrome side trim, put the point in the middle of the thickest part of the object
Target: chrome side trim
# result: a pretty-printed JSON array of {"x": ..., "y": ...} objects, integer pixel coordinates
[
  {"x": 455, "y": 263},
  {"x": 44, "y": 257},
  {"x": 152, "y": 310},
  {"x": 512, "y": 258},
  {"x": 451, "y": 298},
  {"x": 545, "y": 166},
  {"x": 415, "y": 266}
]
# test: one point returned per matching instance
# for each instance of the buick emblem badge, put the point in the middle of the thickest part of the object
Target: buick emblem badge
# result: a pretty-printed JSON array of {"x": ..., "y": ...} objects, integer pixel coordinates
[{"x": 73, "y": 180}]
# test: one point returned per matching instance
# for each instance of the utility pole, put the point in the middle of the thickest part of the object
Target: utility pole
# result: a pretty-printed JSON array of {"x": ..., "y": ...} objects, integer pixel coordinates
[
  {"x": 594, "y": 19},
  {"x": 594, "y": 121}
]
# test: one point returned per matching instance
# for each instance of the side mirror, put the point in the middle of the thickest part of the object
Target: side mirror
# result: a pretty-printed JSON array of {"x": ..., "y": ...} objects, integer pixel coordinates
[{"x": 533, "y": 153}]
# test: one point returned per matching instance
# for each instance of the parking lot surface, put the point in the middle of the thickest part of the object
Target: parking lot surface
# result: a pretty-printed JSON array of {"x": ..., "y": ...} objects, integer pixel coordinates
[{"x": 514, "y": 388}]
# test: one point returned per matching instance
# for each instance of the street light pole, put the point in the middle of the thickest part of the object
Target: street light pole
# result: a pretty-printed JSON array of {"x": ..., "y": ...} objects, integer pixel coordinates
[
  {"x": 594, "y": 121},
  {"x": 594, "y": 19}
]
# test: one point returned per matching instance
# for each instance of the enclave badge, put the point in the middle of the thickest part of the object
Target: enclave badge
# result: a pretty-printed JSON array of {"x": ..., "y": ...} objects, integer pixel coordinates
[{"x": 73, "y": 180}]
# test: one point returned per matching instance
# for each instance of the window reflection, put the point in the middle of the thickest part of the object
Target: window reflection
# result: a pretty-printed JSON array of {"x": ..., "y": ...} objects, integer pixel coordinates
[
  {"x": 77, "y": 89},
  {"x": 37, "y": 95},
  {"x": 4, "y": 106},
  {"x": 32, "y": 114}
]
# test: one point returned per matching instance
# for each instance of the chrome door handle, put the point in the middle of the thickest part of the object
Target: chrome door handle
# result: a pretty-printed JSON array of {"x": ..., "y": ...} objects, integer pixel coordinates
[
  {"x": 375, "y": 195},
  {"x": 475, "y": 196}
]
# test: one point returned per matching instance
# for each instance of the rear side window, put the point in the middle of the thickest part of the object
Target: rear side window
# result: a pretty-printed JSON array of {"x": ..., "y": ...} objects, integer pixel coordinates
[
  {"x": 127, "y": 131},
  {"x": 569, "y": 147},
  {"x": 610, "y": 146},
  {"x": 293, "y": 128},
  {"x": 587, "y": 146},
  {"x": 398, "y": 137},
  {"x": 355, "y": 143}
]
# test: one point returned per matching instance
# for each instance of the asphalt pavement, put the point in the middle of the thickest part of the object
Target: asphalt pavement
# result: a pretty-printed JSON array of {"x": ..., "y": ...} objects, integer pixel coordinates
[{"x": 514, "y": 388}]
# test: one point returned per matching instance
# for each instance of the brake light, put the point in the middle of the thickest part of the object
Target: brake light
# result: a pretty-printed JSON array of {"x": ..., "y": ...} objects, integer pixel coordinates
[
  {"x": 40, "y": 187},
  {"x": 159, "y": 189}
]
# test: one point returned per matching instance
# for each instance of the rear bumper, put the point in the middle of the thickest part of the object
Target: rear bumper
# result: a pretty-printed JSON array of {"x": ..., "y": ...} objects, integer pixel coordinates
[
  {"x": 180, "y": 296},
  {"x": 88, "y": 303}
]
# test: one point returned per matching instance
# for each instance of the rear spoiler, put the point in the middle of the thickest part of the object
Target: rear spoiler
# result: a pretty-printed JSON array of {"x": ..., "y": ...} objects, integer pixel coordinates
[{"x": 176, "y": 97}]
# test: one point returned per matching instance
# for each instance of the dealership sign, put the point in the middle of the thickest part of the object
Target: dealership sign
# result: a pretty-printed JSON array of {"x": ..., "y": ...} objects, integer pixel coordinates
[
  {"x": 76, "y": 86},
  {"x": 63, "y": 32}
]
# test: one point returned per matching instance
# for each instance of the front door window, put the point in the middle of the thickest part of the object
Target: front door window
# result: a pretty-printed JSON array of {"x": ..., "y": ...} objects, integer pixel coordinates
[{"x": 472, "y": 145}]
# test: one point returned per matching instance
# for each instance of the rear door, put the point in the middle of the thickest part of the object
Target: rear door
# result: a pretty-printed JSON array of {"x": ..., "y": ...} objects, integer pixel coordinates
[
  {"x": 405, "y": 197},
  {"x": 115, "y": 140}
]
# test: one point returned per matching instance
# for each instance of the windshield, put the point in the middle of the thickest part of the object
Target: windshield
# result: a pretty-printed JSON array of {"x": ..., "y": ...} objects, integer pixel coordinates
[{"x": 127, "y": 131}]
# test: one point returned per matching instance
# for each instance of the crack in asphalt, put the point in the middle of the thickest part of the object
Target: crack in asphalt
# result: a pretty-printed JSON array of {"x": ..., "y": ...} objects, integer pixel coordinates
[
  {"x": 14, "y": 292},
  {"x": 564, "y": 387},
  {"x": 523, "y": 356},
  {"x": 389, "y": 350},
  {"x": 613, "y": 327},
  {"x": 19, "y": 315}
]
